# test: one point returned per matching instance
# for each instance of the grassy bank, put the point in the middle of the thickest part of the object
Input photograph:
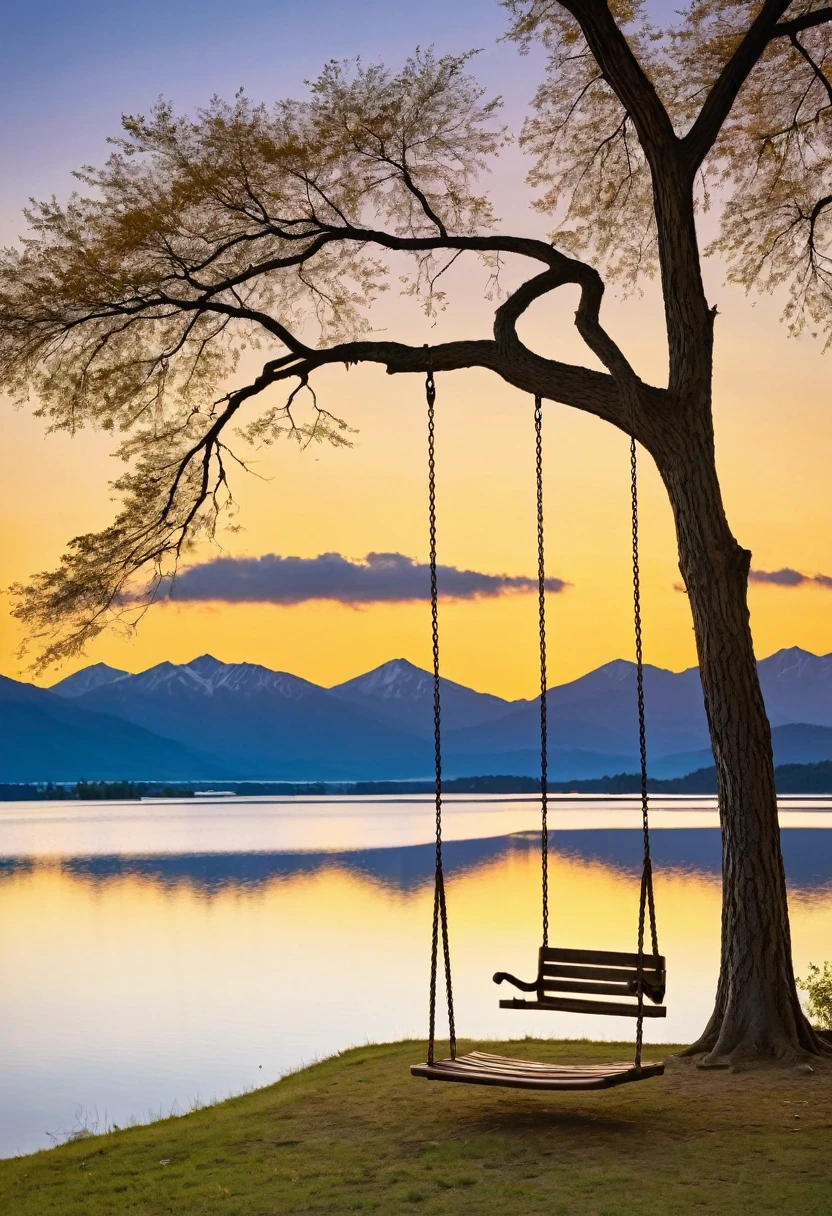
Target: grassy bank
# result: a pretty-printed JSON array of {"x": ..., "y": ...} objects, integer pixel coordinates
[{"x": 357, "y": 1134}]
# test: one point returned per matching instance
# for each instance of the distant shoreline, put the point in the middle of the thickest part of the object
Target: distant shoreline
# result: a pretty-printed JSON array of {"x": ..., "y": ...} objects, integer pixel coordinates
[{"x": 791, "y": 779}]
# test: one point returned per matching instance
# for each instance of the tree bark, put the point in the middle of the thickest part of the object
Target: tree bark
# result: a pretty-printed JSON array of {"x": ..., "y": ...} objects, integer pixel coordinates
[{"x": 757, "y": 1012}]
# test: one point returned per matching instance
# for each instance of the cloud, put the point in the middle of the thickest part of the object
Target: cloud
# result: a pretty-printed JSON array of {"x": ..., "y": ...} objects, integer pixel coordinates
[
  {"x": 378, "y": 578},
  {"x": 790, "y": 578},
  {"x": 780, "y": 578}
]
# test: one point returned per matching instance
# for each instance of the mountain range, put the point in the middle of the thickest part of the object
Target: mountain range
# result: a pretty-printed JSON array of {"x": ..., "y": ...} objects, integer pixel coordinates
[{"x": 206, "y": 720}]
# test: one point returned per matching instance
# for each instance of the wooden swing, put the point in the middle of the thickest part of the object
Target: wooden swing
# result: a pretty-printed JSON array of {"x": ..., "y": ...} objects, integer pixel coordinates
[{"x": 561, "y": 973}]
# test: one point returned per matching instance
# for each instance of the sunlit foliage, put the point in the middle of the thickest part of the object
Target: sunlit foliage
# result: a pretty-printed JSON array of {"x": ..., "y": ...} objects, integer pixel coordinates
[
  {"x": 589, "y": 170},
  {"x": 768, "y": 171}
]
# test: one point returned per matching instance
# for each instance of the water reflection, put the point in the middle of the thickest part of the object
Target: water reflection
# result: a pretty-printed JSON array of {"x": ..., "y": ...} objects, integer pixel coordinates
[
  {"x": 807, "y": 855},
  {"x": 138, "y": 983}
]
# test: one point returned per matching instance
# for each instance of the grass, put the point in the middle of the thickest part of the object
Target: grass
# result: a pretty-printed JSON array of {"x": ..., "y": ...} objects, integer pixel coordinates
[{"x": 357, "y": 1134}]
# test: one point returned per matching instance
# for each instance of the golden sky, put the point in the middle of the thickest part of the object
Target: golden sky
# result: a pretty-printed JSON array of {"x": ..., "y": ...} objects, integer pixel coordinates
[{"x": 775, "y": 450}]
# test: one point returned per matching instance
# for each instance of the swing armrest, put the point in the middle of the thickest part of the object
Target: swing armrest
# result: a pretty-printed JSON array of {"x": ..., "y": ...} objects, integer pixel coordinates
[
  {"x": 653, "y": 992},
  {"x": 499, "y": 976}
]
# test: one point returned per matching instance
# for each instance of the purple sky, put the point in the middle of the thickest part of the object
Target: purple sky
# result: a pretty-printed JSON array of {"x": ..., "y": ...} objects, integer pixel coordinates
[{"x": 69, "y": 70}]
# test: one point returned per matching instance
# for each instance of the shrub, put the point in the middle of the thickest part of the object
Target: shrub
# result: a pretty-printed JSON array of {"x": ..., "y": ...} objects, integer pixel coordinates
[{"x": 818, "y": 984}]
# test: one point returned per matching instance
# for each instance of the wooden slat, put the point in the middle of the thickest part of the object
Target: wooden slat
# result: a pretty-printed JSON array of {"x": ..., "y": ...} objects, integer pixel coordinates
[
  {"x": 542, "y": 1072},
  {"x": 538, "y": 1074},
  {"x": 601, "y": 958},
  {"x": 611, "y": 974},
  {"x": 492, "y": 1061},
  {"x": 502, "y": 1064},
  {"x": 556, "y": 985},
  {"x": 483, "y": 1069},
  {"x": 573, "y": 1005},
  {"x": 485, "y": 1055},
  {"x": 489, "y": 1063}
]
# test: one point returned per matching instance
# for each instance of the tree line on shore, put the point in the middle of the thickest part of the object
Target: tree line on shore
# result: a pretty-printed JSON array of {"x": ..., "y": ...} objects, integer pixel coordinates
[{"x": 790, "y": 778}]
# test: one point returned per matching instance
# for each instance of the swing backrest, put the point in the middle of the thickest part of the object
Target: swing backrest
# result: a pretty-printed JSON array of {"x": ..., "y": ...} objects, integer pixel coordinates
[{"x": 599, "y": 973}]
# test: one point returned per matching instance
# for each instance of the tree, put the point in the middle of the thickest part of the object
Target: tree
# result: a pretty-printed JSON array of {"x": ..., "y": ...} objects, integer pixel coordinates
[{"x": 127, "y": 307}]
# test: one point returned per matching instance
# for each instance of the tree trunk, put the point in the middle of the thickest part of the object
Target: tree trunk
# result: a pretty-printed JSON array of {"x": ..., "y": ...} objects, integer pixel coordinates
[{"x": 757, "y": 1011}]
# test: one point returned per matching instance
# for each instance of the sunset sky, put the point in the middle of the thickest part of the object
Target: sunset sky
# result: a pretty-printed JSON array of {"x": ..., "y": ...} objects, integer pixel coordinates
[{"x": 70, "y": 70}]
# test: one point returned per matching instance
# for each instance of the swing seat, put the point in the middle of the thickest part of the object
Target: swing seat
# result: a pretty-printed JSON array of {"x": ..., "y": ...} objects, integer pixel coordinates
[
  {"x": 593, "y": 973},
  {"x": 481, "y": 1068}
]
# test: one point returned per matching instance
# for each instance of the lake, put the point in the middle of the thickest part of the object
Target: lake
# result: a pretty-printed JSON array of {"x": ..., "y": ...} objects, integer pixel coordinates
[{"x": 155, "y": 955}]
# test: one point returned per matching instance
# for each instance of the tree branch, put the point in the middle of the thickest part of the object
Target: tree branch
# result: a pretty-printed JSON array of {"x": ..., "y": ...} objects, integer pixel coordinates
[
  {"x": 717, "y": 105},
  {"x": 816, "y": 212},
  {"x": 625, "y": 75},
  {"x": 822, "y": 79},
  {"x": 561, "y": 270},
  {"x": 570, "y": 384},
  {"x": 587, "y": 321},
  {"x": 418, "y": 194},
  {"x": 806, "y": 21}
]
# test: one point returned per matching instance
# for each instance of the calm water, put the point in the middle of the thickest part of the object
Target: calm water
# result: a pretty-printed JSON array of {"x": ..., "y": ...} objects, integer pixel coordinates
[{"x": 153, "y": 955}]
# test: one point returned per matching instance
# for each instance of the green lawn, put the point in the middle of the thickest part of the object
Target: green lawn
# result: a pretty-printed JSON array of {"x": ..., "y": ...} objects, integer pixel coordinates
[{"x": 358, "y": 1134}]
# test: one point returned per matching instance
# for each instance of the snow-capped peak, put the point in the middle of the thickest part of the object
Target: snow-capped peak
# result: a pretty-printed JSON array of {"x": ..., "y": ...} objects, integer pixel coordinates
[
  {"x": 792, "y": 661},
  {"x": 397, "y": 679},
  {"x": 247, "y": 678},
  {"x": 616, "y": 671},
  {"x": 94, "y": 676},
  {"x": 206, "y": 676},
  {"x": 205, "y": 666}
]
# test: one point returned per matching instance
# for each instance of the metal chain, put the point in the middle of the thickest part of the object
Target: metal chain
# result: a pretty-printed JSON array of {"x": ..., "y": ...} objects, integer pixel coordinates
[
  {"x": 440, "y": 913},
  {"x": 541, "y": 612},
  {"x": 646, "y": 903}
]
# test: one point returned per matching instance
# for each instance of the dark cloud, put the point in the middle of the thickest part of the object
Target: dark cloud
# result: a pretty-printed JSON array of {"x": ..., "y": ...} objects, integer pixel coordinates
[
  {"x": 375, "y": 579},
  {"x": 790, "y": 578},
  {"x": 780, "y": 578}
]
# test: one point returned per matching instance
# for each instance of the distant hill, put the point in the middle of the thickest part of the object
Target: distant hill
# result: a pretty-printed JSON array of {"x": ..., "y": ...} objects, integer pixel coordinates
[
  {"x": 273, "y": 725},
  {"x": 804, "y": 778},
  {"x": 597, "y": 713},
  {"x": 790, "y": 779},
  {"x": 44, "y": 738},
  {"x": 564, "y": 762},
  {"x": 796, "y": 743}
]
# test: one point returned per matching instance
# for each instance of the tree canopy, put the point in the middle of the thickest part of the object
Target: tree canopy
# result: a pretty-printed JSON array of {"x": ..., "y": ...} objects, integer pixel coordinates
[{"x": 248, "y": 227}]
